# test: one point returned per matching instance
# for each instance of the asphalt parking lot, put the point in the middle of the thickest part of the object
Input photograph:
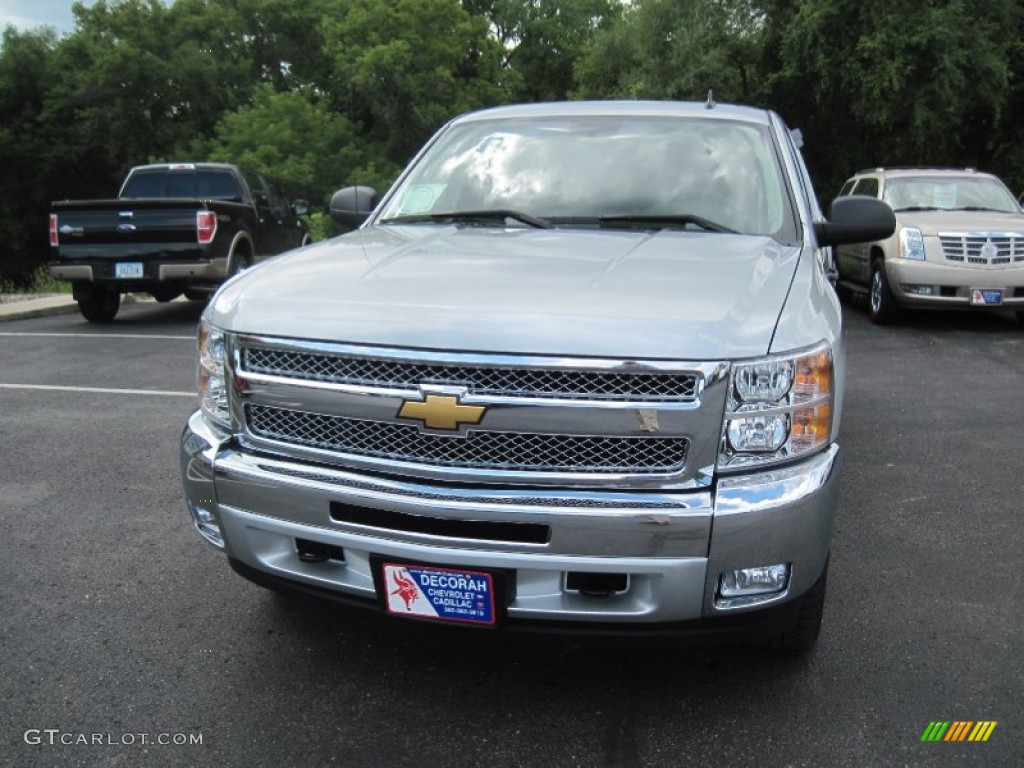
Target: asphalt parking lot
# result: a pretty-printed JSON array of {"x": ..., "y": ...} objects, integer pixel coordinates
[{"x": 118, "y": 622}]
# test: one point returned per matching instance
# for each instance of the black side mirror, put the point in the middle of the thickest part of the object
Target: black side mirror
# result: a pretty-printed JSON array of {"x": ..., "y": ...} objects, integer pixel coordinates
[
  {"x": 301, "y": 207},
  {"x": 855, "y": 219},
  {"x": 350, "y": 206}
]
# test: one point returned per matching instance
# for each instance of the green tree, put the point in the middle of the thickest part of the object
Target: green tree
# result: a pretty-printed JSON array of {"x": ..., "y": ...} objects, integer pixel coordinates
[
  {"x": 677, "y": 50},
  {"x": 402, "y": 68},
  {"x": 291, "y": 138},
  {"x": 541, "y": 40},
  {"x": 25, "y": 157},
  {"x": 896, "y": 82}
]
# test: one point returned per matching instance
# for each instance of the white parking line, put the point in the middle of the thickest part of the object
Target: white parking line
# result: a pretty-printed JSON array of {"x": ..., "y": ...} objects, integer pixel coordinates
[
  {"x": 100, "y": 390},
  {"x": 102, "y": 335}
]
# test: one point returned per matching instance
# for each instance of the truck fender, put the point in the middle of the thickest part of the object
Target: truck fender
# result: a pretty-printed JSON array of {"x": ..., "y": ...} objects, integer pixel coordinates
[{"x": 240, "y": 254}]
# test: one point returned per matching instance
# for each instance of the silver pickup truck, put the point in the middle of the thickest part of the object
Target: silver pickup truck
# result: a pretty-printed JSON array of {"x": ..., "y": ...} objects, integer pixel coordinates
[{"x": 579, "y": 370}]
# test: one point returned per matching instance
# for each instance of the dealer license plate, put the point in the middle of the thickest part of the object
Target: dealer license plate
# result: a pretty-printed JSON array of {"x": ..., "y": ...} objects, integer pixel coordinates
[
  {"x": 986, "y": 296},
  {"x": 442, "y": 594},
  {"x": 128, "y": 270}
]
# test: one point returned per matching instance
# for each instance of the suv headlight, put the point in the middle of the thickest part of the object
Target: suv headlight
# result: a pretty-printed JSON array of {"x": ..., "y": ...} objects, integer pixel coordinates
[
  {"x": 778, "y": 408},
  {"x": 213, "y": 390},
  {"x": 911, "y": 244}
]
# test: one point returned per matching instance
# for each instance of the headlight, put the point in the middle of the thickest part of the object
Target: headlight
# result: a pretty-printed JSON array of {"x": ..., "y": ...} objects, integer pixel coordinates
[
  {"x": 911, "y": 244},
  {"x": 778, "y": 408},
  {"x": 213, "y": 391}
]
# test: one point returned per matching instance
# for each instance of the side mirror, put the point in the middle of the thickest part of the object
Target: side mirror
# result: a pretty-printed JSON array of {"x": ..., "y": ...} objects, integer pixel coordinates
[
  {"x": 350, "y": 206},
  {"x": 301, "y": 207},
  {"x": 855, "y": 219}
]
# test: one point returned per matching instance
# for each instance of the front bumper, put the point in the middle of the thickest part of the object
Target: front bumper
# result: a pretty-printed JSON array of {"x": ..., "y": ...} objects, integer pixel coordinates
[
  {"x": 952, "y": 286},
  {"x": 672, "y": 546}
]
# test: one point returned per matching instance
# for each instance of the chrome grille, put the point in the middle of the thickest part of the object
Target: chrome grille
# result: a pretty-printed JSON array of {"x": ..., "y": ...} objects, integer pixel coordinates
[
  {"x": 508, "y": 451},
  {"x": 478, "y": 380},
  {"x": 971, "y": 248}
]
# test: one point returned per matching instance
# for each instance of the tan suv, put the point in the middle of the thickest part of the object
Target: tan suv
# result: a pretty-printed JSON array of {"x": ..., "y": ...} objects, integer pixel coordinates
[{"x": 959, "y": 243}]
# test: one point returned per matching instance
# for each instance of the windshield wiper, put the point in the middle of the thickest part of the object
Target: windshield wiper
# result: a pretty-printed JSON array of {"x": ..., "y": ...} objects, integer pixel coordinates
[
  {"x": 978, "y": 208},
  {"x": 918, "y": 208},
  {"x": 459, "y": 217},
  {"x": 665, "y": 220}
]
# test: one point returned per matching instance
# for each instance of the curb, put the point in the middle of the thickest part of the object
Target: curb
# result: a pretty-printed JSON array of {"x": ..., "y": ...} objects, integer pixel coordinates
[
  {"x": 21, "y": 310},
  {"x": 44, "y": 307}
]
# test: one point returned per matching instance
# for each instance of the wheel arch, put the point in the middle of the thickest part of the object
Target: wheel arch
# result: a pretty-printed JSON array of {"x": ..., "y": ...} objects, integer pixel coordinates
[{"x": 241, "y": 247}]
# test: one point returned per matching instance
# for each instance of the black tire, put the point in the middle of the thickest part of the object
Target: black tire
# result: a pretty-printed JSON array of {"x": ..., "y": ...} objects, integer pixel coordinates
[
  {"x": 101, "y": 306},
  {"x": 164, "y": 295},
  {"x": 239, "y": 262},
  {"x": 195, "y": 295},
  {"x": 1020, "y": 317},
  {"x": 802, "y": 636},
  {"x": 882, "y": 307},
  {"x": 844, "y": 293}
]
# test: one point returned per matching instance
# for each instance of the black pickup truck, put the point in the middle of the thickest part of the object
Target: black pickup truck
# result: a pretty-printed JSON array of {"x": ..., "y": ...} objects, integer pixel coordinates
[{"x": 174, "y": 228}]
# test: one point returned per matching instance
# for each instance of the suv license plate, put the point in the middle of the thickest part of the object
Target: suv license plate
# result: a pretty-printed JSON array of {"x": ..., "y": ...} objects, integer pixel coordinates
[
  {"x": 442, "y": 594},
  {"x": 986, "y": 296},
  {"x": 128, "y": 270}
]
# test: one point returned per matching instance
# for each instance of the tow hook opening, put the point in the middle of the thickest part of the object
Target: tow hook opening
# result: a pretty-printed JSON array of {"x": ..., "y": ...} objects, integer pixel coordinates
[
  {"x": 318, "y": 552},
  {"x": 596, "y": 584}
]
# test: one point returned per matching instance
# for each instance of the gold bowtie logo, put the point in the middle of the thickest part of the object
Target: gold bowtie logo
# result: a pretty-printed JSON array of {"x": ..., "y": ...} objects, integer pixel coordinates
[{"x": 441, "y": 412}]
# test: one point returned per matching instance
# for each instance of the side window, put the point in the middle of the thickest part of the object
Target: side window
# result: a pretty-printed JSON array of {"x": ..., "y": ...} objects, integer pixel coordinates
[
  {"x": 218, "y": 184},
  {"x": 278, "y": 203},
  {"x": 867, "y": 186},
  {"x": 847, "y": 188},
  {"x": 259, "y": 192}
]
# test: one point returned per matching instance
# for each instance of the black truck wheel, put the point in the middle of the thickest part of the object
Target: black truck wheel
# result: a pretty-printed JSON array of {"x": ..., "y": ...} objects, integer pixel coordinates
[{"x": 101, "y": 306}]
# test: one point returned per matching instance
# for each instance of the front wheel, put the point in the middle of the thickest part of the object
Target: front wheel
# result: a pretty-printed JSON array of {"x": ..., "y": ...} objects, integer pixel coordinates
[
  {"x": 802, "y": 636},
  {"x": 882, "y": 307},
  {"x": 101, "y": 306}
]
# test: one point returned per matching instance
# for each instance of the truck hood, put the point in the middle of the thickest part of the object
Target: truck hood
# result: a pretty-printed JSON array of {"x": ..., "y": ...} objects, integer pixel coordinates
[
  {"x": 933, "y": 222},
  {"x": 624, "y": 294}
]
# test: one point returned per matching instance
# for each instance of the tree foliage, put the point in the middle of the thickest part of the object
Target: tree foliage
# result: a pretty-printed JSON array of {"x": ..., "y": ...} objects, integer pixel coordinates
[{"x": 323, "y": 93}]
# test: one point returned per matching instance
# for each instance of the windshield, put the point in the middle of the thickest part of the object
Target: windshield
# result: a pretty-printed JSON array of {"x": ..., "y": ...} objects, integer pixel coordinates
[
  {"x": 608, "y": 170},
  {"x": 949, "y": 193}
]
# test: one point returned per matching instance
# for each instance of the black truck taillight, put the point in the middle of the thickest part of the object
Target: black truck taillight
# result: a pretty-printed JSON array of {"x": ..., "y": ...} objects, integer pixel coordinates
[
  {"x": 206, "y": 226},
  {"x": 54, "y": 238}
]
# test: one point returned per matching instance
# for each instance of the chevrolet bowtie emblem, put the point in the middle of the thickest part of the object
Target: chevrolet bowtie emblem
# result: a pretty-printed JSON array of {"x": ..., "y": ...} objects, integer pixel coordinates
[{"x": 441, "y": 412}]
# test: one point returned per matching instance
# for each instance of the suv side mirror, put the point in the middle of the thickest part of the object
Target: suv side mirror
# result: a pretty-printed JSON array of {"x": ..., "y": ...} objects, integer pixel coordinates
[
  {"x": 855, "y": 219},
  {"x": 350, "y": 206},
  {"x": 301, "y": 207}
]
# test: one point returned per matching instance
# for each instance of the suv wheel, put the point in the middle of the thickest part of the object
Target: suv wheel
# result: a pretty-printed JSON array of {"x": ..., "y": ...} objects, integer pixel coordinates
[
  {"x": 101, "y": 306},
  {"x": 802, "y": 636},
  {"x": 882, "y": 306}
]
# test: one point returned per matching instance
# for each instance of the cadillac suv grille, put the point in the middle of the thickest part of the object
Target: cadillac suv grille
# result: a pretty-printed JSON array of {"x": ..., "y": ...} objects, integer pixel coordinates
[
  {"x": 615, "y": 385},
  {"x": 502, "y": 451},
  {"x": 983, "y": 249}
]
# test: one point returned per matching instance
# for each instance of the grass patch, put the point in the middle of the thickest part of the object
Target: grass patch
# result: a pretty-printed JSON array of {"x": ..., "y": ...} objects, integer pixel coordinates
[{"x": 42, "y": 282}]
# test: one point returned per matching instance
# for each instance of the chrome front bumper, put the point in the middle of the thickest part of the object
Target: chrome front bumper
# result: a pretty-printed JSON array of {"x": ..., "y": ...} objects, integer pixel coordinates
[
  {"x": 673, "y": 546},
  {"x": 904, "y": 273}
]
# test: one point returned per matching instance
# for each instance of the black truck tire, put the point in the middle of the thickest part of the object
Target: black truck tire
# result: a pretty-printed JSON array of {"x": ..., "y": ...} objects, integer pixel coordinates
[{"x": 101, "y": 306}]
